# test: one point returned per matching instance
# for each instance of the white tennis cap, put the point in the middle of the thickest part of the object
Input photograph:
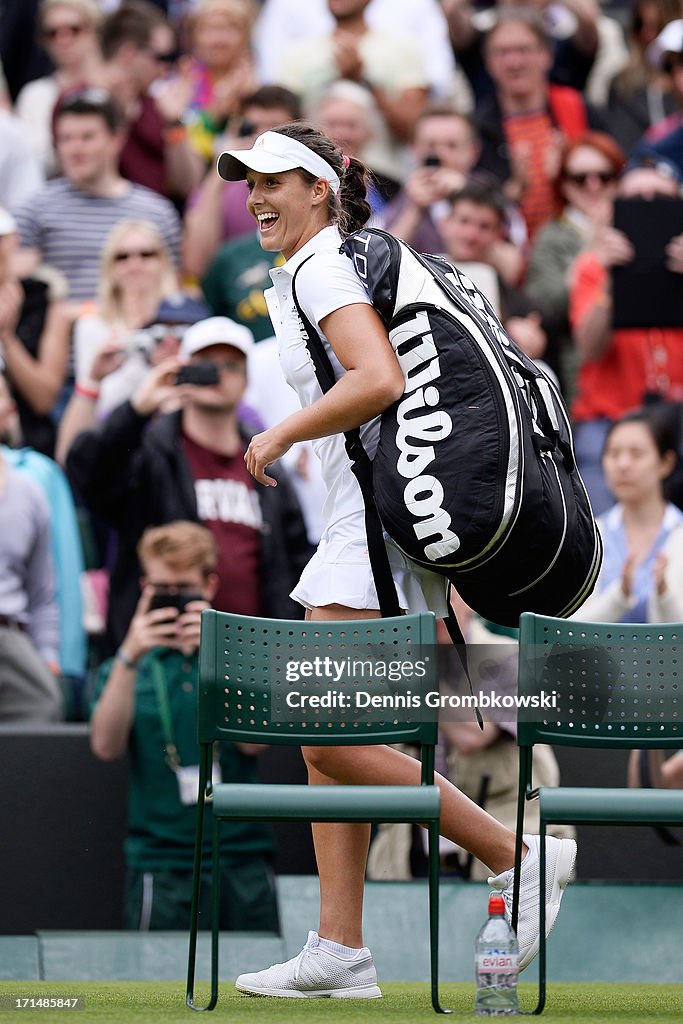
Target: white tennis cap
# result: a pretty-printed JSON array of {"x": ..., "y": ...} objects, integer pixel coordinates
[
  {"x": 216, "y": 330},
  {"x": 273, "y": 153}
]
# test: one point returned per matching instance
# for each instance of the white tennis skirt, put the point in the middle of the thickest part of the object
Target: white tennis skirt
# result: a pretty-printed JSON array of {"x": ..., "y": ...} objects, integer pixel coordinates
[{"x": 339, "y": 573}]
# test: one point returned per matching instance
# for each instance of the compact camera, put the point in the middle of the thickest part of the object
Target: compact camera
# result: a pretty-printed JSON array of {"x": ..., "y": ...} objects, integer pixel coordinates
[{"x": 145, "y": 340}]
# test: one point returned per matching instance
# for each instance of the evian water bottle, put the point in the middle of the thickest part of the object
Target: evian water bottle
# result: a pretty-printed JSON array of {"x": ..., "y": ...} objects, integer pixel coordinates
[{"x": 496, "y": 964}]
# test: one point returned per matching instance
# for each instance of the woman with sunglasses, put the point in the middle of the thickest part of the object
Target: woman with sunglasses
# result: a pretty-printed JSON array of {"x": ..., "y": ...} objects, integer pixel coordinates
[
  {"x": 68, "y": 32},
  {"x": 585, "y": 186},
  {"x": 306, "y": 196},
  {"x": 112, "y": 351}
]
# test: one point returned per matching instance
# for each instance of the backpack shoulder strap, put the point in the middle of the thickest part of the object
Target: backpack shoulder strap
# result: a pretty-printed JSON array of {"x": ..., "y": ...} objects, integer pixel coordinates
[{"x": 361, "y": 466}]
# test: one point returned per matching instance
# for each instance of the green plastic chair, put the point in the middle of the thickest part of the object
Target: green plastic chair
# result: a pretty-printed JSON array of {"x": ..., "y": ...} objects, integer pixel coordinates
[
  {"x": 242, "y": 690},
  {"x": 618, "y": 686}
]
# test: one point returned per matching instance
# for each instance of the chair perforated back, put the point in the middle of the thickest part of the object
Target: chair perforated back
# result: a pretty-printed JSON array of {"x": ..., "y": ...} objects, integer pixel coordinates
[
  {"x": 614, "y": 684},
  {"x": 249, "y": 666}
]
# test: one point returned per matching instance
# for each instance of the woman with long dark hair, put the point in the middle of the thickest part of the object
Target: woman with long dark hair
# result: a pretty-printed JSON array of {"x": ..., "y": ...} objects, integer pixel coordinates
[
  {"x": 306, "y": 196},
  {"x": 642, "y": 533}
]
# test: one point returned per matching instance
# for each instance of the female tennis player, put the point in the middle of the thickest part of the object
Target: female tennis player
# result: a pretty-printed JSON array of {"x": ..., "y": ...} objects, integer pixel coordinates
[{"x": 306, "y": 196}]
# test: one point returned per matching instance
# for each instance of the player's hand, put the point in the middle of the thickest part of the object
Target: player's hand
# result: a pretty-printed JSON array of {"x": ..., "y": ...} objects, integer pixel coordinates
[{"x": 265, "y": 449}]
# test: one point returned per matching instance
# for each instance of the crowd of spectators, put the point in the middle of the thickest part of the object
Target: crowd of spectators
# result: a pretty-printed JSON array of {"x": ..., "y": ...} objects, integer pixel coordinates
[{"x": 507, "y": 137}]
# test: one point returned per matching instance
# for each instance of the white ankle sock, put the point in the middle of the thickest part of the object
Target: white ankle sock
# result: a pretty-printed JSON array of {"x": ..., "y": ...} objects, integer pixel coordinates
[{"x": 345, "y": 952}]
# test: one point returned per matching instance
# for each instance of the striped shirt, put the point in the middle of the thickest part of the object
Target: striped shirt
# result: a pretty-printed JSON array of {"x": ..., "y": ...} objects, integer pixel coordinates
[
  {"x": 70, "y": 227},
  {"x": 533, "y": 133}
]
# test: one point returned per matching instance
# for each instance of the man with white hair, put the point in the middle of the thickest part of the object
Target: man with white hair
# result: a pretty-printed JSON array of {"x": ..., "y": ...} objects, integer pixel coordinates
[{"x": 349, "y": 114}]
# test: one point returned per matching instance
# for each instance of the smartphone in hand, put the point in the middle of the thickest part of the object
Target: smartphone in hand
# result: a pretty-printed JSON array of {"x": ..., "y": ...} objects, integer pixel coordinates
[
  {"x": 203, "y": 375},
  {"x": 172, "y": 599}
]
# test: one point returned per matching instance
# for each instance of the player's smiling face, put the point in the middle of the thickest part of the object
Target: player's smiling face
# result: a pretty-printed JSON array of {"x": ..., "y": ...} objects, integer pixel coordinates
[{"x": 288, "y": 210}]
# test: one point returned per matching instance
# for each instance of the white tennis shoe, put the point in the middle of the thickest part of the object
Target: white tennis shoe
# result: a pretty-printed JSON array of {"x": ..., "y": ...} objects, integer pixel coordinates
[
  {"x": 560, "y": 855},
  {"x": 316, "y": 973}
]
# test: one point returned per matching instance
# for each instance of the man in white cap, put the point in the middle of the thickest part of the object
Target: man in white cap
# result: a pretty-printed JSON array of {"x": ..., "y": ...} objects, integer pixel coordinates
[
  {"x": 189, "y": 464},
  {"x": 665, "y": 138}
]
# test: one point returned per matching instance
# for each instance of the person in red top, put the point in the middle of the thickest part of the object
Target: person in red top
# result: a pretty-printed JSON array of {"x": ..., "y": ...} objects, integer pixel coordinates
[{"x": 619, "y": 367}]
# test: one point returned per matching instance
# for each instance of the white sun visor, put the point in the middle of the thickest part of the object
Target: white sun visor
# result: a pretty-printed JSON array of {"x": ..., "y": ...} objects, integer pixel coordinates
[{"x": 273, "y": 153}]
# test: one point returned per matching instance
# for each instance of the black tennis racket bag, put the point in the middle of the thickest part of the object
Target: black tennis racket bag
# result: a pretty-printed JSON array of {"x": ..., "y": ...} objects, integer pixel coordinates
[{"x": 474, "y": 475}]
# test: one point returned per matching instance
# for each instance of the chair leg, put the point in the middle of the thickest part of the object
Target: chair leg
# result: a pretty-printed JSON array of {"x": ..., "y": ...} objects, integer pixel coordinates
[
  {"x": 434, "y": 870},
  {"x": 194, "y": 921},
  {"x": 524, "y": 779},
  {"x": 192, "y": 953},
  {"x": 215, "y": 910},
  {"x": 515, "y": 882},
  {"x": 542, "y": 945}
]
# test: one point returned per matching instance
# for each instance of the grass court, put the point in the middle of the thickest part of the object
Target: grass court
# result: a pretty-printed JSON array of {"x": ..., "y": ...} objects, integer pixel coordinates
[{"x": 403, "y": 1003}]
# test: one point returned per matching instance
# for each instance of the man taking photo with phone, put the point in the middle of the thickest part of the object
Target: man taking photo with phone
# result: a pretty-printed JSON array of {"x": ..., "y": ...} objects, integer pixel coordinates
[
  {"x": 445, "y": 150},
  {"x": 176, "y": 451},
  {"x": 146, "y": 705}
]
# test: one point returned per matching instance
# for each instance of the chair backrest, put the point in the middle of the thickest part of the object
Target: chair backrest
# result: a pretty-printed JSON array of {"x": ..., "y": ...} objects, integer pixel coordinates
[
  {"x": 249, "y": 666},
  {"x": 616, "y": 684}
]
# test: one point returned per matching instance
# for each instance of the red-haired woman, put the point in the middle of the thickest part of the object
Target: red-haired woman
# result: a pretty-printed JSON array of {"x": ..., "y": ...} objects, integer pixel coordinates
[{"x": 586, "y": 185}]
